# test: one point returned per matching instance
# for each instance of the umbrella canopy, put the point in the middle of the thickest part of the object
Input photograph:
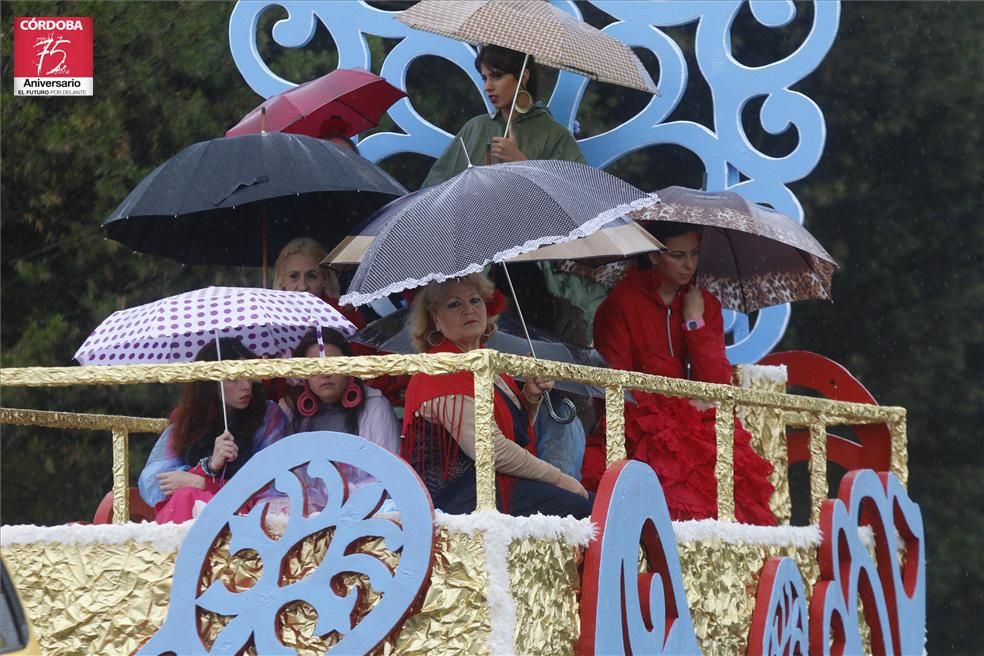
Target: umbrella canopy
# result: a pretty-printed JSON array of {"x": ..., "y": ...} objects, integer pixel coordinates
[
  {"x": 621, "y": 238},
  {"x": 390, "y": 335},
  {"x": 488, "y": 214},
  {"x": 349, "y": 97},
  {"x": 173, "y": 329},
  {"x": 750, "y": 256},
  {"x": 537, "y": 28},
  {"x": 239, "y": 200}
]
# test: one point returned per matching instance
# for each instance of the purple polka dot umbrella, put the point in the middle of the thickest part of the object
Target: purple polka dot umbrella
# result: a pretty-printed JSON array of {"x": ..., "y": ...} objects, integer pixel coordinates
[{"x": 174, "y": 329}]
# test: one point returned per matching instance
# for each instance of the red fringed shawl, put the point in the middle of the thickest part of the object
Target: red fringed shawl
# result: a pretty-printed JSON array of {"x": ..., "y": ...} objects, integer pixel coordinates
[{"x": 427, "y": 444}]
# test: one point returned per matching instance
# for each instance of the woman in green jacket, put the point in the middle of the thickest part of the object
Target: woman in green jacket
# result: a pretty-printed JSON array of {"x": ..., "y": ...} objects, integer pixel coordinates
[{"x": 534, "y": 134}]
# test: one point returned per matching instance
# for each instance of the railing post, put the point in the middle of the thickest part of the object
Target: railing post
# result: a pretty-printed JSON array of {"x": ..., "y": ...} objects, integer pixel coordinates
[
  {"x": 121, "y": 475},
  {"x": 484, "y": 420},
  {"x": 614, "y": 425},
  {"x": 900, "y": 455},
  {"x": 724, "y": 466},
  {"x": 818, "y": 466}
]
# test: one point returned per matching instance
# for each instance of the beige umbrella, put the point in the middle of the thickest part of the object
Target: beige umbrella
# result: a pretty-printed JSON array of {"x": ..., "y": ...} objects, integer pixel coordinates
[
  {"x": 621, "y": 240},
  {"x": 537, "y": 28}
]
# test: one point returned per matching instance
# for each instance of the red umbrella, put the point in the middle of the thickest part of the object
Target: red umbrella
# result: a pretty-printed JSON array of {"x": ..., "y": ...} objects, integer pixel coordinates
[{"x": 341, "y": 103}]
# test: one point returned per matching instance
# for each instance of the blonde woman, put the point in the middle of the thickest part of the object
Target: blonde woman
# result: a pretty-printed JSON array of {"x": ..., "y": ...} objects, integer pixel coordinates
[{"x": 457, "y": 316}]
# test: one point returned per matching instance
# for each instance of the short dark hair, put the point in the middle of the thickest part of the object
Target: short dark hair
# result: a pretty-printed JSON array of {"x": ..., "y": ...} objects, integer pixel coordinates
[
  {"x": 667, "y": 229},
  {"x": 663, "y": 230},
  {"x": 497, "y": 58}
]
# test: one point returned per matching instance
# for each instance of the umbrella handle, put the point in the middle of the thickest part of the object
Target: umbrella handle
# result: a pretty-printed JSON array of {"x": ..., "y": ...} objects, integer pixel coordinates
[{"x": 571, "y": 410}]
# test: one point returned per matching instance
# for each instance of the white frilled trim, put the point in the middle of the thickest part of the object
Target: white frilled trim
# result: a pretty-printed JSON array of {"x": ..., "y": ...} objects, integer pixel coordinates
[
  {"x": 499, "y": 531},
  {"x": 704, "y": 530},
  {"x": 577, "y": 532},
  {"x": 801, "y": 537},
  {"x": 163, "y": 537},
  {"x": 771, "y": 373},
  {"x": 585, "y": 229}
]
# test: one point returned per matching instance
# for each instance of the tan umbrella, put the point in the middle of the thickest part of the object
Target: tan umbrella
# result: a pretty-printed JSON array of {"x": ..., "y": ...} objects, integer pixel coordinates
[
  {"x": 537, "y": 28},
  {"x": 621, "y": 239},
  {"x": 750, "y": 256}
]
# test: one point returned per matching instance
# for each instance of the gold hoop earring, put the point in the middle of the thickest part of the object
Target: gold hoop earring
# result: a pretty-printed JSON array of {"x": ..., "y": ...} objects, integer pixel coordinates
[
  {"x": 523, "y": 110},
  {"x": 490, "y": 332},
  {"x": 430, "y": 337}
]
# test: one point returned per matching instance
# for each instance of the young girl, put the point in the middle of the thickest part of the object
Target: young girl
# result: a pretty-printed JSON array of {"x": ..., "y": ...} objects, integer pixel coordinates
[
  {"x": 339, "y": 403},
  {"x": 195, "y": 455}
]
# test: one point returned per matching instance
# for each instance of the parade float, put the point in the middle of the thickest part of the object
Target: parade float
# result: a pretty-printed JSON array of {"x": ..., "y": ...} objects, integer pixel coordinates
[{"x": 360, "y": 577}]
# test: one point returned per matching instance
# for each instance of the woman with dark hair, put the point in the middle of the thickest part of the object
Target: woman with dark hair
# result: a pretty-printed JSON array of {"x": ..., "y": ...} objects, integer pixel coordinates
[
  {"x": 195, "y": 455},
  {"x": 457, "y": 316},
  {"x": 339, "y": 403},
  {"x": 533, "y": 133},
  {"x": 658, "y": 322}
]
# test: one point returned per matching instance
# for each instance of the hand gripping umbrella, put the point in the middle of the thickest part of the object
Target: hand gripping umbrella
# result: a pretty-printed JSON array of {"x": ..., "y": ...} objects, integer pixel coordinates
[
  {"x": 239, "y": 200},
  {"x": 489, "y": 214},
  {"x": 174, "y": 329}
]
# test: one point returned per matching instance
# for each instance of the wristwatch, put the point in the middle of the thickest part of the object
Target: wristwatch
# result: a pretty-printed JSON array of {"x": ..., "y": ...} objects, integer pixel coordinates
[{"x": 693, "y": 324}]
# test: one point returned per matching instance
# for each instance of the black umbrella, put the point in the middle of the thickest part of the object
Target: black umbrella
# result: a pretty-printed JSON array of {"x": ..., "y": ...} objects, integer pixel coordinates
[
  {"x": 239, "y": 200},
  {"x": 390, "y": 335}
]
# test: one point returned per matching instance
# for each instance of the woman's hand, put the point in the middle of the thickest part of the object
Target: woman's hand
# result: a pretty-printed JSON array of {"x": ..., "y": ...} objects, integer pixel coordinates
[
  {"x": 504, "y": 149},
  {"x": 535, "y": 388},
  {"x": 693, "y": 304},
  {"x": 173, "y": 480},
  {"x": 571, "y": 484},
  {"x": 225, "y": 450}
]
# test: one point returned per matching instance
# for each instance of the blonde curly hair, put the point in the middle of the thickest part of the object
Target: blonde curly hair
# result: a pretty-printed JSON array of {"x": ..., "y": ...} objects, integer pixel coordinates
[
  {"x": 311, "y": 248},
  {"x": 427, "y": 300}
]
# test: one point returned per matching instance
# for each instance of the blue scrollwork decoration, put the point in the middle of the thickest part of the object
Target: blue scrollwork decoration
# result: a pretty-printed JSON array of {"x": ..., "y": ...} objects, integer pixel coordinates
[
  {"x": 254, "y": 612},
  {"x": 887, "y": 583},
  {"x": 623, "y": 611},
  {"x": 729, "y": 158},
  {"x": 780, "y": 621}
]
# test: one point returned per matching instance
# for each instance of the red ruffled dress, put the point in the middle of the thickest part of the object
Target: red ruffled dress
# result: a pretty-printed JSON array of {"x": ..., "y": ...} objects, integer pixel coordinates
[{"x": 636, "y": 330}]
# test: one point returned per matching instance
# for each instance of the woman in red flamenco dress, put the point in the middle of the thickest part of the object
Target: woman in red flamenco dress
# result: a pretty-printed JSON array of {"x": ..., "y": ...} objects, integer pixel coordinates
[{"x": 656, "y": 322}]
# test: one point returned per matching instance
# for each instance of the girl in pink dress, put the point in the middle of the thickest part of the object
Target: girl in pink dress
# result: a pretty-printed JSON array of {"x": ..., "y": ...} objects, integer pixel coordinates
[{"x": 196, "y": 455}]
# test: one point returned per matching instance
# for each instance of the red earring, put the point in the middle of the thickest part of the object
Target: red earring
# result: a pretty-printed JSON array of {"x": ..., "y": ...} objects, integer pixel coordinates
[
  {"x": 307, "y": 402},
  {"x": 352, "y": 396}
]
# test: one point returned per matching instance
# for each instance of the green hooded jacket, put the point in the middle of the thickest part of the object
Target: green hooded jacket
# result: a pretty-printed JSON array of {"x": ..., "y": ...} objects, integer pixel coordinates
[{"x": 537, "y": 135}]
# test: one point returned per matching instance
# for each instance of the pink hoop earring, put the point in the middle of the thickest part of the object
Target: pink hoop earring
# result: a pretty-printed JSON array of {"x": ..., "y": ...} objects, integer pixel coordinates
[
  {"x": 307, "y": 402},
  {"x": 352, "y": 396}
]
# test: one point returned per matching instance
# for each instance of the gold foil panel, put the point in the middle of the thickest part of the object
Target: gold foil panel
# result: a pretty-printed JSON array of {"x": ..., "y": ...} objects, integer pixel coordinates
[
  {"x": 769, "y": 440},
  {"x": 545, "y": 584},
  {"x": 615, "y": 424},
  {"x": 724, "y": 466},
  {"x": 91, "y": 598},
  {"x": 453, "y": 617},
  {"x": 722, "y": 580}
]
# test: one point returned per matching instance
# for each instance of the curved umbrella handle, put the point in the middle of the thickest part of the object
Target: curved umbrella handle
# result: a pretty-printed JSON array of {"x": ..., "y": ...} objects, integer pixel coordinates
[{"x": 571, "y": 410}]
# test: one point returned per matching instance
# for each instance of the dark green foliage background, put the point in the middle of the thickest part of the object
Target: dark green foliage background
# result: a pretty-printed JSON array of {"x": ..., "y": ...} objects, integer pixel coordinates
[{"x": 897, "y": 199}]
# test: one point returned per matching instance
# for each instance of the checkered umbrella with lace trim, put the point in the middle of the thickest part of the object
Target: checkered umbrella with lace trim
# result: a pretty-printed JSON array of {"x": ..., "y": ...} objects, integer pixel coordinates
[
  {"x": 488, "y": 214},
  {"x": 537, "y": 28}
]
